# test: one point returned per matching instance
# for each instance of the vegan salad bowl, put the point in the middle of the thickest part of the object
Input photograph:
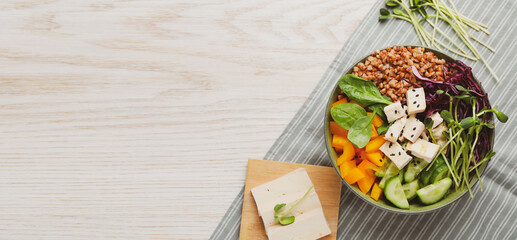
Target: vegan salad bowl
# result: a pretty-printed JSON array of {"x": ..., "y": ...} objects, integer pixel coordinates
[{"x": 409, "y": 129}]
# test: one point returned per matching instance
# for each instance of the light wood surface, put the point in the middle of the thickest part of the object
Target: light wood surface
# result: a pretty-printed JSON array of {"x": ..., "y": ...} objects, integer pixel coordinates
[
  {"x": 326, "y": 183},
  {"x": 135, "y": 119}
]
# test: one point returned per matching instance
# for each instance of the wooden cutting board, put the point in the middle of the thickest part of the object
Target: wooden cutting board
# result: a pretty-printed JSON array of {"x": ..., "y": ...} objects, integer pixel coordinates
[{"x": 326, "y": 183}]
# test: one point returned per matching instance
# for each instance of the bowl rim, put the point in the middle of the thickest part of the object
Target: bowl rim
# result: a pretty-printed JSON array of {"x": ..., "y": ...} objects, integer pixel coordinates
[{"x": 370, "y": 201}]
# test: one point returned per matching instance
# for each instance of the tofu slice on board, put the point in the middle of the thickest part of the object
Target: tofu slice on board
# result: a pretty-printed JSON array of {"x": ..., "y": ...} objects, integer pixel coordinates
[{"x": 310, "y": 222}]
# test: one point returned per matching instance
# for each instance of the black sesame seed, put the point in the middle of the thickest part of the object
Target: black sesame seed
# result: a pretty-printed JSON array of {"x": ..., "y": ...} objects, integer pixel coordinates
[
  {"x": 414, "y": 102},
  {"x": 418, "y": 105},
  {"x": 400, "y": 153},
  {"x": 380, "y": 160},
  {"x": 414, "y": 90},
  {"x": 391, "y": 134},
  {"x": 417, "y": 95},
  {"x": 396, "y": 111},
  {"x": 414, "y": 128},
  {"x": 390, "y": 145},
  {"x": 393, "y": 154},
  {"x": 412, "y": 135}
]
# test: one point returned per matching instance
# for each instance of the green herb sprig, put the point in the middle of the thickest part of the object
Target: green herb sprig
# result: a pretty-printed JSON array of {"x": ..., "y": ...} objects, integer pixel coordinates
[
  {"x": 443, "y": 12},
  {"x": 463, "y": 135},
  {"x": 282, "y": 217}
]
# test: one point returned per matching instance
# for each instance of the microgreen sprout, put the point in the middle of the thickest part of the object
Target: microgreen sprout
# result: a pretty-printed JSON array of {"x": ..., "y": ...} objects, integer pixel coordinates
[
  {"x": 416, "y": 14},
  {"x": 282, "y": 217}
]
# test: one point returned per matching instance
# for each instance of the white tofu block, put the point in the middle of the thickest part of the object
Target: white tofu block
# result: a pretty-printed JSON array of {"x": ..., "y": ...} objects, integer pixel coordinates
[
  {"x": 439, "y": 130},
  {"x": 401, "y": 138},
  {"x": 394, "y": 111},
  {"x": 415, "y": 100},
  {"x": 407, "y": 114},
  {"x": 413, "y": 129},
  {"x": 424, "y": 136},
  {"x": 396, "y": 154},
  {"x": 395, "y": 130},
  {"x": 424, "y": 150},
  {"x": 441, "y": 143},
  {"x": 409, "y": 146},
  {"x": 437, "y": 119},
  {"x": 310, "y": 222},
  {"x": 309, "y": 225},
  {"x": 285, "y": 189}
]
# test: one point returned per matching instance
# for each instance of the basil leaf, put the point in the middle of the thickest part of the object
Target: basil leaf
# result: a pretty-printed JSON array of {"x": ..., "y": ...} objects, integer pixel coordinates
[
  {"x": 361, "y": 131},
  {"x": 383, "y": 128},
  {"x": 380, "y": 110},
  {"x": 361, "y": 91},
  {"x": 345, "y": 114},
  {"x": 287, "y": 220}
]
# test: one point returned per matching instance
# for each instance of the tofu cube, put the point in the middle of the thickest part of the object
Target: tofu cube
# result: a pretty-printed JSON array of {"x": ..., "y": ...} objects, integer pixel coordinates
[
  {"x": 409, "y": 146},
  {"x": 396, "y": 154},
  {"x": 407, "y": 114},
  {"x": 394, "y": 111},
  {"x": 415, "y": 100},
  {"x": 437, "y": 119},
  {"x": 395, "y": 130},
  {"x": 439, "y": 130},
  {"x": 413, "y": 129},
  {"x": 401, "y": 138},
  {"x": 424, "y": 150},
  {"x": 424, "y": 136}
]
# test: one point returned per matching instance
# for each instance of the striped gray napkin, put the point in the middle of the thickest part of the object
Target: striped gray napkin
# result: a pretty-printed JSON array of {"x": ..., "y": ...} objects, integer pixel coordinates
[{"x": 491, "y": 214}]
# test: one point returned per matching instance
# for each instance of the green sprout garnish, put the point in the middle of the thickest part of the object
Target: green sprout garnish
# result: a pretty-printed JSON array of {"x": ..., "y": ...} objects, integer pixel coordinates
[{"x": 281, "y": 217}]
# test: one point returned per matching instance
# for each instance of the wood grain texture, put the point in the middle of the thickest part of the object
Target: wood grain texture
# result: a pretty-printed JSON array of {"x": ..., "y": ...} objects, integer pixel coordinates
[
  {"x": 135, "y": 119},
  {"x": 327, "y": 185}
]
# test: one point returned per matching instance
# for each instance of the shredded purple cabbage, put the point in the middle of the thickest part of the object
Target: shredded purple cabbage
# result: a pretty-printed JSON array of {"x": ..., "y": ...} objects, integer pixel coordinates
[{"x": 437, "y": 102}]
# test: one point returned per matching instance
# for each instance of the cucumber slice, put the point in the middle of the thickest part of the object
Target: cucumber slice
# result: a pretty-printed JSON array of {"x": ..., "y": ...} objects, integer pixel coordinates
[
  {"x": 426, "y": 175},
  {"x": 384, "y": 168},
  {"x": 390, "y": 172},
  {"x": 401, "y": 174},
  {"x": 439, "y": 173},
  {"x": 414, "y": 168},
  {"x": 410, "y": 189},
  {"x": 395, "y": 194},
  {"x": 434, "y": 192}
]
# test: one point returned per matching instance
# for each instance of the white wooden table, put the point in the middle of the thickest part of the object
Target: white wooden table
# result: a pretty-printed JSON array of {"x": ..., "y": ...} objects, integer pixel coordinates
[{"x": 135, "y": 119}]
